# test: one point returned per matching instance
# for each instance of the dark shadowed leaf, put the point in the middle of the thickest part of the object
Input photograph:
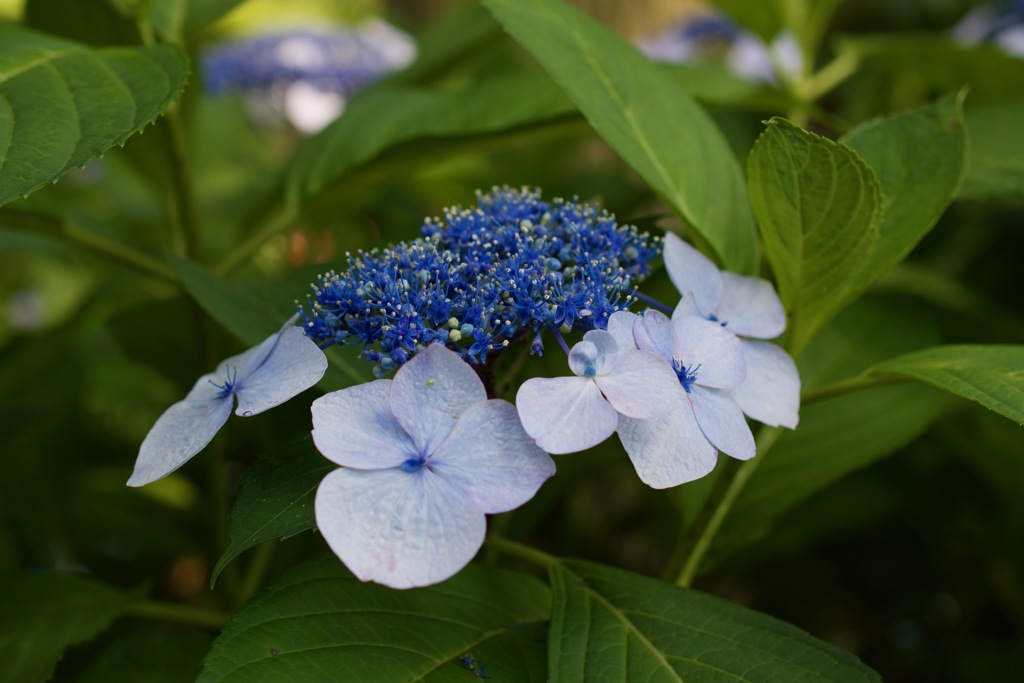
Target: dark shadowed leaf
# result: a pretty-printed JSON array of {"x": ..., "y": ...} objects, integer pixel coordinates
[
  {"x": 43, "y": 615},
  {"x": 611, "y": 625},
  {"x": 149, "y": 656},
  {"x": 319, "y": 622},
  {"x": 997, "y": 152},
  {"x": 275, "y": 500}
]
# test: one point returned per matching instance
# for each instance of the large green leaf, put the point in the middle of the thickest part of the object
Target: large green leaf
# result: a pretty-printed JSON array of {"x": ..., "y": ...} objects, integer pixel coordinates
[
  {"x": 43, "y": 615},
  {"x": 997, "y": 151},
  {"x": 839, "y": 435},
  {"x": 645, "y": 115},
  {"x": 920, "y": 160},
  {"x": 819, "y": 207},
  {"x": 174, "y": 18},
  {"x": 275, "y": 500},
  {"x": 389, "y": 115},
  {"x": 611, "y": 625},
  {"x": 990, "y": 375},
  {"x": 319, "y": 623},
  {"x": 62, "y": 103}
]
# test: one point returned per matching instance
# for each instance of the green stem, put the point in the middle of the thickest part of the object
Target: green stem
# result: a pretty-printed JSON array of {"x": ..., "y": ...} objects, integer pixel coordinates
[
  {"x": 184, "y": 614},
  {"x": 277, "y": 223},
  {"x": 523, "y": 552},
  {"x": 849, "y": 385},
  {"x": 831, "y": 75},
  {"x": 184, "y": 205},
  {"x": 717, "y": 506},
  {"x": 256, "y": 571},
  {"x": 97, "y": 244}
]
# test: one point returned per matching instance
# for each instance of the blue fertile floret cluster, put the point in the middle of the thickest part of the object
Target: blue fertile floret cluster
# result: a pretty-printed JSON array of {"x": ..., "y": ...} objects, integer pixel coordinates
[{"x": 482, "y": 278}]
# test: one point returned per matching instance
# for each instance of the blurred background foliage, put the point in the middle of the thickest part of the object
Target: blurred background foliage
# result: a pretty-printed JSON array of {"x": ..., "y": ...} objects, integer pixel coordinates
[{"x": 911, "y": 557}]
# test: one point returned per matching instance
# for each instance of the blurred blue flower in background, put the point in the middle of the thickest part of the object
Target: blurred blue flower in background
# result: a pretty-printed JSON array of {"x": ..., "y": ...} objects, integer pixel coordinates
[
  {"x": 1000, "y": 24},
  {"x": 307, "y": 75},
  {"x": 710, "y": 37}
]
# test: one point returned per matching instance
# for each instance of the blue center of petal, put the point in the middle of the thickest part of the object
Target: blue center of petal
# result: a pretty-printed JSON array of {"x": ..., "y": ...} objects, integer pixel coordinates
[
  {"x": 413, "y": 464},
  {"x": 714, "y": 318},
  {"x": 687, "y": 374},
  {"x": 230, "y": 379}
]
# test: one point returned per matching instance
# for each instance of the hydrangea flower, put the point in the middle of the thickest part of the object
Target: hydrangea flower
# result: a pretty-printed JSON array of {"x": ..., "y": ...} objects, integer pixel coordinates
[
  {"x": 744, "y": 53},
  {"x": 282, "y": 366},
  {"x": 424, "y": 457},
  {"x": 569, "y": 414},
  {"x": 682, "y": 444},
  {"x": 308, "y": 75},
  {"x": 1001, "y": 24},
  {"x": 482, "y": 278},
  {"x": 748, "y": 307}
]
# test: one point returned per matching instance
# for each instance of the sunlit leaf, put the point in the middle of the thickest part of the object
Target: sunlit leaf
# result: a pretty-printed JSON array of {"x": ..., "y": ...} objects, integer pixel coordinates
[
  {"x": 318, "y": 622},
  {"x": 990, "y": 375},
  {"x": 819, "y": 207},
  {"x": 611, "y": 625},
  {"x": 174, "y": 18},
  {"x": 645, "y": 115},
  {"x": 62, "y": 103}
]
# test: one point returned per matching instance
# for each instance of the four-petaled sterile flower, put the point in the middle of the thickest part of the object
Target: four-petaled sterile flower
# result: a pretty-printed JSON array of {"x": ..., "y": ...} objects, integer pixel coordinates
[
  {"x": 569, "y": 414},
  {"x": 424, "y": 456},
  {"x": 681, "y": 444},
  {"x": 282, "y": 366},
  {"x": 749, "y": 307}
]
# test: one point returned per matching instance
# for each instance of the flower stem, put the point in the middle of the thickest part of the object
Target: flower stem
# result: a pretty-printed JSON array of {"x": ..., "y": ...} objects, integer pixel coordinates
[
  {"x": 184, "y": 205},
  {"x": 277, "y": 223},
  {"x": 523, "y": 552},
  {"x": 651, "y": 301},
  {"x": 848, "y": 385},
  {"x": 185, "y": 614},
  {"x": 717, "y": 506},
  {"x": 256, "y": 571},
  {"x": 561, "y": 341}
]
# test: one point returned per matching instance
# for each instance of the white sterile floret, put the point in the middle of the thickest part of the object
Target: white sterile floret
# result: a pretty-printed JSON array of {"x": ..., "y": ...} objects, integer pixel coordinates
[
  {"x": 749, "y": 307},
  {"x": 424, "y": 457},
  {"x": 283, "y": 365},
  {"x": 569, "y": 414},
  {"x": 682, "y": 444}
]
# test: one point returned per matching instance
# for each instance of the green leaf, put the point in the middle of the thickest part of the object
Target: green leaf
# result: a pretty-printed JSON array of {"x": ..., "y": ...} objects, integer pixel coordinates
[
  {"x": 819, "y": 207},
  {"x": 389, "y": 115},
  {"x": 173, "y": 19},
  {"x": 611, "y": 625},
  {"x": 990, "y": 375},
  {"x": 62, "y": 104},
  {"x": 319, "y": 618},
  {"x": 646, "y": 116},
  {"x": 245, "y": 316},
  {"x": 760, "y": 16},
  {"x": 854, "y": 430},
  {"x": 275, "y": 500},
  {"x": 43, "y": 615},
  {"x": 996, "y": 167},
  {"x": 920, "y": 160}
]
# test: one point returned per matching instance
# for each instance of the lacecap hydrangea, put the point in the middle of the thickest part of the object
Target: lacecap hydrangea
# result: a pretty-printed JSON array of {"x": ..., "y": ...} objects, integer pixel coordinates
[{"x": 481, "y": 278}]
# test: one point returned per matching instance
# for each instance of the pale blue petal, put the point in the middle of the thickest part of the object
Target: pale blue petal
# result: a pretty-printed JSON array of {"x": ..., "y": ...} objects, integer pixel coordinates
[
  {"x": 687, "y": 306},
  {"x": 294, "y": 364},
  {"x": 653, "y": 332},
  {"x": 182, "y": 431},
  {"x": 642, "y": 384},
  {"x": 709, "y": 350},
  {"x": 430, "y": 392},
  {"x": 620, "y": 326},
  {"x": 692, "y": 271},
  {"x": 771, "y": 391},
  {"x": 354, "y": 427},
  {"x": 607, "y": 349},
  {"x": 565, "y": 414},
  {"x": 721, "y": 420},
  {"x": 583, "y": 359},
  {"x": 668, "y": 450},
  {"x": 751, "y": 308},
  {"x": 490, "y": 457},
  {"x": 400, "y": 529}
]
